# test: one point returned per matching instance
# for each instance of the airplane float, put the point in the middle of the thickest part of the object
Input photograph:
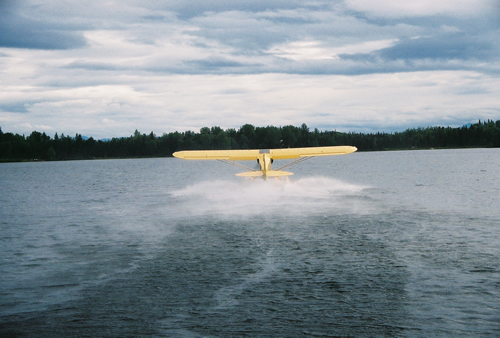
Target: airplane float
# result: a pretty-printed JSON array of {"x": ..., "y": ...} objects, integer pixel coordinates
[{"x": 264, "y": 157}]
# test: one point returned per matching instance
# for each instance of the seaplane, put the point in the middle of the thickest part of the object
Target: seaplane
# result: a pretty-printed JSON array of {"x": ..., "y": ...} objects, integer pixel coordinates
[{"x": 264, "y": 157}]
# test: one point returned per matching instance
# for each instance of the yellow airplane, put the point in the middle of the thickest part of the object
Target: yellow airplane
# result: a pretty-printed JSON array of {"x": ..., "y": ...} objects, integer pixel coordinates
[{"x": 264, "y": 157}]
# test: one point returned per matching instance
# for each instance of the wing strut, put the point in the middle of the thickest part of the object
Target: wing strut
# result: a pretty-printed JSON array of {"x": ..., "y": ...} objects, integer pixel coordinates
[
  {"x": 237, "y": 164},
  {"x": 302, "y": 159}
]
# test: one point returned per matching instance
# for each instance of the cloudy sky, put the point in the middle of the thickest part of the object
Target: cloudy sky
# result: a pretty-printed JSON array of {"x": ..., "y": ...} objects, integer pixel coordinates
[{"x": 105, "y": 68}]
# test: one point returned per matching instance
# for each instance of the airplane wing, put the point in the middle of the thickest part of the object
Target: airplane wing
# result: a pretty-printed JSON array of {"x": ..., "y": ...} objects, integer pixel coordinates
[
  {"x": 289, "y": 153},
  {"x": 229, "y": 155},
  {"x": 253, "y": 154}
]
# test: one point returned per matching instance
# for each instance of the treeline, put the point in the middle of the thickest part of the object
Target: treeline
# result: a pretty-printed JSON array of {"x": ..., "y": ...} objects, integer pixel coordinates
[{"x": 40, "y": 146}]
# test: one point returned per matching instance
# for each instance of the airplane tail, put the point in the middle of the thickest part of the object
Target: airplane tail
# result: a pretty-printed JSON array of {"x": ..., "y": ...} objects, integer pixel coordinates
[
  {"x": 269, "y": 173},
  {"x": 251, "y": 174},
  {"x": 278, "y": 173}
]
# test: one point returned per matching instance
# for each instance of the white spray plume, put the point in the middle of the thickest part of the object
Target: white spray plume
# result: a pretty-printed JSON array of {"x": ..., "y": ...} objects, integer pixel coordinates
[{"x": 305, "y": 196}]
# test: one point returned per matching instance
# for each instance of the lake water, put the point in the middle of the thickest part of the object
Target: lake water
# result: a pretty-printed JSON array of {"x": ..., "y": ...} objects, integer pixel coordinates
[{"x": 370, "y": 244}]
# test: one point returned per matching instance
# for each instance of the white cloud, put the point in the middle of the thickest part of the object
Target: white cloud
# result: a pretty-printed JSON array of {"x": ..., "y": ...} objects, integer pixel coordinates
[
  {"x": 409, "y": 8},
  {"x": 450, "y": 29},
  {"x": 302, "y": 50},
  {"x": 316, "y": 50},
  {"x": 376, "y": 102}
]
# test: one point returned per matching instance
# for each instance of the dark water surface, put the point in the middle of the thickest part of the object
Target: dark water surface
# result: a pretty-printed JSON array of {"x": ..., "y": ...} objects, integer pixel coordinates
[{"x": 369, "y": 244}]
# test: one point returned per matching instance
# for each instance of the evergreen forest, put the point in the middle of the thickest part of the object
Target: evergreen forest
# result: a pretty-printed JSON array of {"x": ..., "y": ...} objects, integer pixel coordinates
[{"x": 40, "y": 146}]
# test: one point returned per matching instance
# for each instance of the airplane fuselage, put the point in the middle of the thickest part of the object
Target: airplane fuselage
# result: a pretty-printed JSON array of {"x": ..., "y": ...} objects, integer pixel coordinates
[{"x": 265, "y": 162}]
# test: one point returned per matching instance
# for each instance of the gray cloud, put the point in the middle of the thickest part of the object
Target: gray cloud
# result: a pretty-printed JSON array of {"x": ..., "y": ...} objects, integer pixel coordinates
[
  {"x": 16, "y": 107},
  {"x": 242, "y": 32},
  {"x": 194, "y": 8},
  {"x": 214, "y": 64},
  {"x": 438, "y": 38},
  {"x": 19, "y": 32},
  {"x": 447, "y": 46}
]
